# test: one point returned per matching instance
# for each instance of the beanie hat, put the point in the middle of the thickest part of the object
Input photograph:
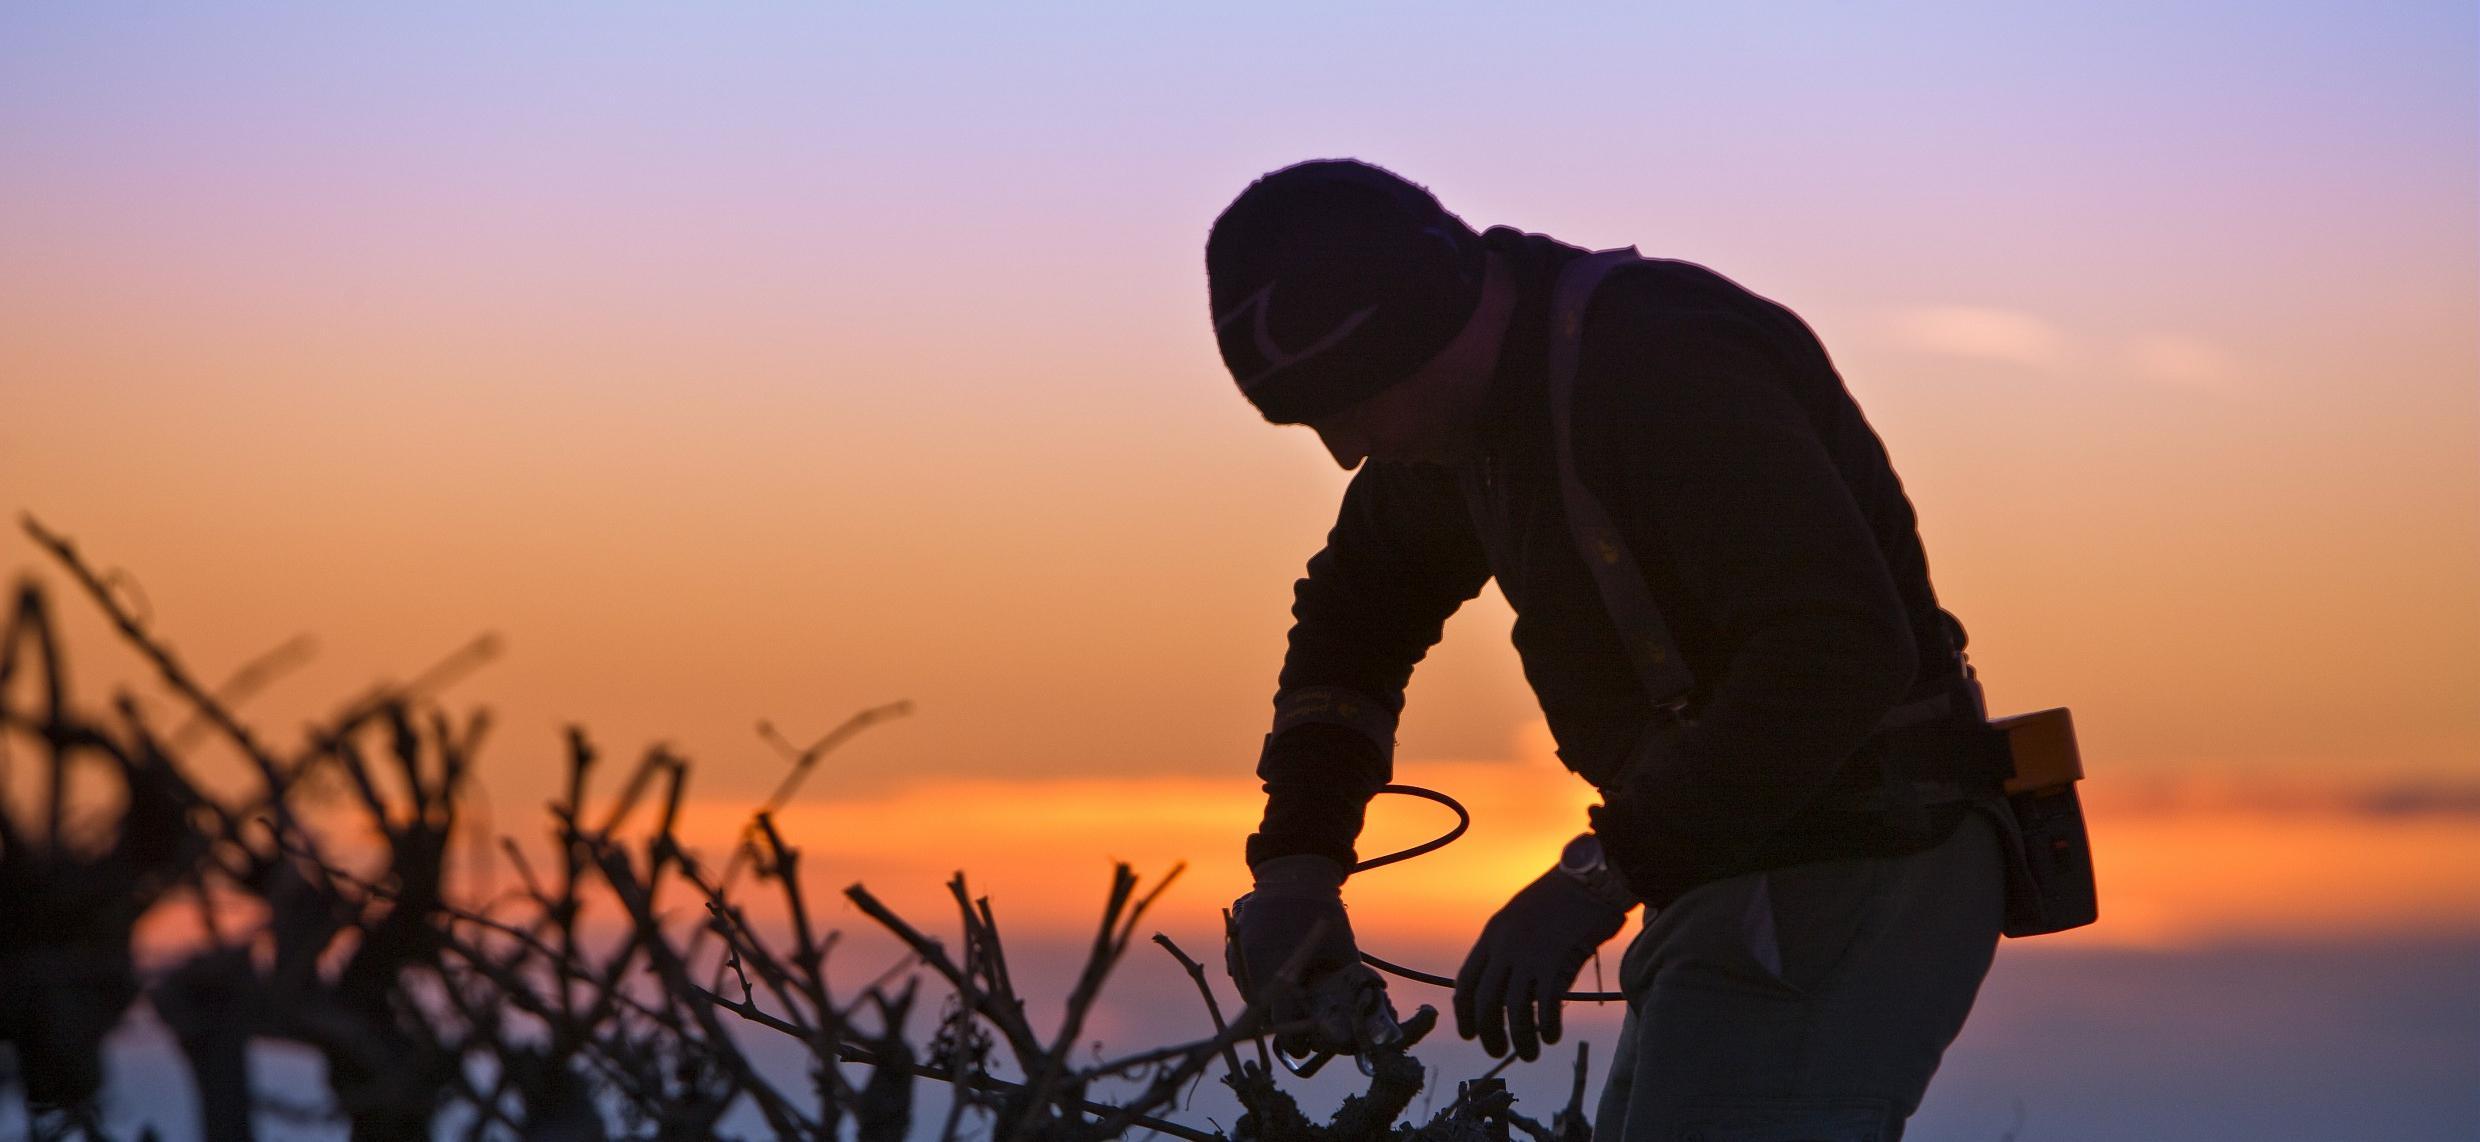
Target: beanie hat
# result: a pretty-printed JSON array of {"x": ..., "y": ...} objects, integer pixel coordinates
[{"x": 1332, "y": 280}]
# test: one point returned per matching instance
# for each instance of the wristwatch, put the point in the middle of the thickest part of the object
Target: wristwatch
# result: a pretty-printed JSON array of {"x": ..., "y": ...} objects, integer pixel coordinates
[{"x": 1581, "y": 860}]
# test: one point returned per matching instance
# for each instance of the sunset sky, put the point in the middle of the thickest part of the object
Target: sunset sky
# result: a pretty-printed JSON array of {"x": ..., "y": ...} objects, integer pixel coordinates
[{"x": 771, "y": 362}]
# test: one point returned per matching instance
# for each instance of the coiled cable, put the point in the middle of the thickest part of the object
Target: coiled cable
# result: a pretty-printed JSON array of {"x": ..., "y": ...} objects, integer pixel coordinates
[{"x": 1463, "y": 821}]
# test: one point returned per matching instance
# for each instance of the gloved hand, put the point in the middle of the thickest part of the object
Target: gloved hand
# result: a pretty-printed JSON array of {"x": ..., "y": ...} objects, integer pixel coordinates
[
  {"x": 1528, "y": 956},
  {"x": 1297, "y": 899}
]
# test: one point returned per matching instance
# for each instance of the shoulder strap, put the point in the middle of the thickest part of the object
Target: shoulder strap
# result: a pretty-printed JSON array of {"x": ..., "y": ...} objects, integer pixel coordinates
[{"x": 1648, "y": 639}]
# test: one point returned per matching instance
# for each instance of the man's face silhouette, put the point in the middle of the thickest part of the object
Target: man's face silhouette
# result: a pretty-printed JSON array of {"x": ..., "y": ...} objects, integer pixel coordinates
[
  {"x": 1408, "y": 421},
  {"x": 1430, "y": 417}
]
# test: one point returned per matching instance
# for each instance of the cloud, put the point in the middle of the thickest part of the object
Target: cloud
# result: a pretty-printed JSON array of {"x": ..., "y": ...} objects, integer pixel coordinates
[
  {"x": 2182, "y": 362},
  {"x": 2418, "y": 800},
  {"x": 2376, "y": 802},
  {"x": 1981, "y": 334},
  {"x": 2012, "y": 337}
]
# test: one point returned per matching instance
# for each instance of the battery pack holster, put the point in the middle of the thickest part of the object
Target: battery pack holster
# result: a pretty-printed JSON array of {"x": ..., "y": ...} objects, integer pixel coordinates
[{"x": 2049, "y": 873}]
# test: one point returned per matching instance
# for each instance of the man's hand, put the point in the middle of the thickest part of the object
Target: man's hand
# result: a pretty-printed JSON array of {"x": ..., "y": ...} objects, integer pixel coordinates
[
  {"x": 1528, "y": 956},
  {"x": 1295, "y": 918}
]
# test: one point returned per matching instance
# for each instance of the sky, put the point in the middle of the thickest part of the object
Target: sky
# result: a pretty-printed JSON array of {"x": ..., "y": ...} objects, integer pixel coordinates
[{"x": 770, "y": 362}]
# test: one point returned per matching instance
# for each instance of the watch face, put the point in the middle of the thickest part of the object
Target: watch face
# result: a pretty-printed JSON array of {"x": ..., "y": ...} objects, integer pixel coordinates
[{"x": 1581, "y": 856}]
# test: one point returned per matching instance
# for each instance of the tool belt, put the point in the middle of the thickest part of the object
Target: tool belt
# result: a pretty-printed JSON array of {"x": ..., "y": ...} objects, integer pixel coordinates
[
  {"x": 1934, "y": 750},
  {"x": 2022, "y": 770}
]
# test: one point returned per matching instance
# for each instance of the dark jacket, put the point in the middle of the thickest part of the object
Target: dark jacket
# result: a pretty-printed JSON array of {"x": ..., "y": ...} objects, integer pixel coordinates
[{"x": 1772, "y": 533}]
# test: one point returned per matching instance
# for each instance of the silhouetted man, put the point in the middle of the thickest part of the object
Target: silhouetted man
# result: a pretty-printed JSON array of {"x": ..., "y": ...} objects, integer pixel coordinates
[{"x": 1722, "y": 605}]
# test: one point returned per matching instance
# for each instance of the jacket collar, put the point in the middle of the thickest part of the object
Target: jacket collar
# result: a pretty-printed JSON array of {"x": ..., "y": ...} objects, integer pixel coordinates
[{"x": 1514, "y": 410}]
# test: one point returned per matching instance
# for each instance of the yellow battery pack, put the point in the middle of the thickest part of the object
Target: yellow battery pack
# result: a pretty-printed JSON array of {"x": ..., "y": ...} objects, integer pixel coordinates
[{"x": 2043, "y": 742}]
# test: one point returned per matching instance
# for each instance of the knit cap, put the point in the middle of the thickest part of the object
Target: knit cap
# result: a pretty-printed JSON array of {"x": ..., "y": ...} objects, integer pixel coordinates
[{"x": 1332, "y": 280}]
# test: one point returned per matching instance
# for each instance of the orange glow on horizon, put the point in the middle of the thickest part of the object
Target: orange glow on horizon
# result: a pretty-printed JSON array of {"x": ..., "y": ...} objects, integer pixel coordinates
[{"x": 2171, "y": 874}]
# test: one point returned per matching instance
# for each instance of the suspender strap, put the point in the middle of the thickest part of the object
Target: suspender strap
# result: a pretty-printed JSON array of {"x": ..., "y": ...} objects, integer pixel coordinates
[{"x": 1648, "y": 639}]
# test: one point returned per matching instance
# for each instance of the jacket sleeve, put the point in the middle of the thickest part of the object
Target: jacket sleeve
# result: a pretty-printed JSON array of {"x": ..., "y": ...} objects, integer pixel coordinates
[
  {"x": 1710, "y": 458},
  {"x": 1401, "y": 558}
]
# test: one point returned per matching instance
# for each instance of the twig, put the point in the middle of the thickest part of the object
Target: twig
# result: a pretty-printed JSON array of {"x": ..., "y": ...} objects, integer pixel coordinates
[
  {"x": 854, "y": 1054},
  {"x": 1197, "y": 971}
]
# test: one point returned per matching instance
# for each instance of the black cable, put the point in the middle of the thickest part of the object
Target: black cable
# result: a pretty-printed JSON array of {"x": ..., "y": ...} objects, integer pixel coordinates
[{"x": 1463, "y": 821}]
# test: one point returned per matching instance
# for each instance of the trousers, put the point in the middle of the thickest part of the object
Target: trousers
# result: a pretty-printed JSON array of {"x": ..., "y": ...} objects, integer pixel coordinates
[{"x": 1804, "y": 1004}]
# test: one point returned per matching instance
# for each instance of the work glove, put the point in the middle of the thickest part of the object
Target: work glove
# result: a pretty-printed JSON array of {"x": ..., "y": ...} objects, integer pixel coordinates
[
  {"x": 1528, "y": 956},
  {"x": 1333, "y": 1003}
]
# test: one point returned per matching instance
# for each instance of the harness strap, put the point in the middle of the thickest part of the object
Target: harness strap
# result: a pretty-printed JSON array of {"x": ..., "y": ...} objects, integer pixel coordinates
[
  {"x": 1931, "y": 750},
  {"x": 1648, "y": 640}
]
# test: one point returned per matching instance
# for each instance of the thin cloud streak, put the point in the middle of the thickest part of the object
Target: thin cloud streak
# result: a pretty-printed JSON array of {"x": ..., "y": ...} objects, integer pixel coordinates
[
  {"x": 2384, "y": 800},
  {"x": 1981, "y": 333},
  {"x": 2025, "y": 340}
]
